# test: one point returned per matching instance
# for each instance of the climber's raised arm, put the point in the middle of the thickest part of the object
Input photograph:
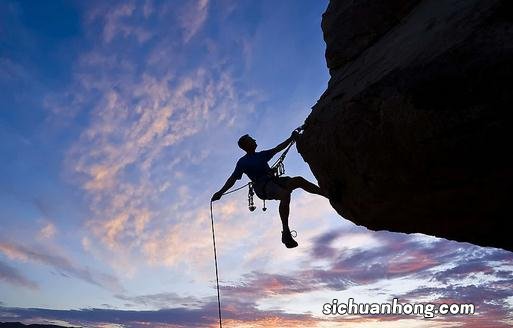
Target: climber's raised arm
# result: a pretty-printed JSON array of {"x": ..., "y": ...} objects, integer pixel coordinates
[{"x": 285, "y": 143}]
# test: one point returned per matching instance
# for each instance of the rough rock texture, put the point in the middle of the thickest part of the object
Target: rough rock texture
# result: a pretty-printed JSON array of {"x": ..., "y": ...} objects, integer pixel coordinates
[{"x": 415, "y": 130}]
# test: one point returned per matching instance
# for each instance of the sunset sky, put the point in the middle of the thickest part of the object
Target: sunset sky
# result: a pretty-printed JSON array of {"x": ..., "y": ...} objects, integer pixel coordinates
[{"x": 119, "y": 120}]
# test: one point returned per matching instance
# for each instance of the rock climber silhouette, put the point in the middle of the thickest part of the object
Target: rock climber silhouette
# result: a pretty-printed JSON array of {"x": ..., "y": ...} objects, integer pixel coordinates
[{"x": 267, "y": 185}]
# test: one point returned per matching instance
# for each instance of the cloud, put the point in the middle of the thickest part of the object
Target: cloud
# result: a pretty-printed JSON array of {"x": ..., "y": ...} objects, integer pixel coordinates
[
  {"x": 14, "y": 277},
  {"x": 322, "y": 245},
  {"x": 418, "y": 261},
  {"x": 490, "y": 301},
  {"x": 238, "y": 314},
  {"x": 241, "y": 312},
  {"x": 411, "y": 259},
  {"x": 116, "y": 154},
  {"x": 173, "y": 245},
  {"x": 162, "y": 300},
  {"x": 392, "y": 255},
  {"x": 61, "y": 264},
  {"x": 192, "y": 17},
  {"x": 259, "y": 285},
  {"x": 179, "y": 317},
  {"x": 121, "y": 20},
  {"x": 48, "y": 231},
  {"x": 143, "y": 118}
]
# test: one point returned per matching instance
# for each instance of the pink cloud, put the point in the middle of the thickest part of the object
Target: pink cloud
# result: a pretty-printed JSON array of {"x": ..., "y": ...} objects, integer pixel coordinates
[
  {"x": 60, "y": 263},
  {"x": 13, "y": 276}
]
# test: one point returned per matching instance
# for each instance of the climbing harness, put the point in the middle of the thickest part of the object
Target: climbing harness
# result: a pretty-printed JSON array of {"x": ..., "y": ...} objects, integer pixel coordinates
[{"x": 278, "y": 169}]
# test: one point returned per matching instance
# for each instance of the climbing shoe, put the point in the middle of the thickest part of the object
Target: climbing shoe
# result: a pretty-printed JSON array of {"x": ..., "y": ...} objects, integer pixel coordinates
[{"x": 287, "y": 239}]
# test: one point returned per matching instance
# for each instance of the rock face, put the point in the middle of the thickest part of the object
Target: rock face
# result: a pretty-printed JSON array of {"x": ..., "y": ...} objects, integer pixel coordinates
[{"x": 415, "y": 130}]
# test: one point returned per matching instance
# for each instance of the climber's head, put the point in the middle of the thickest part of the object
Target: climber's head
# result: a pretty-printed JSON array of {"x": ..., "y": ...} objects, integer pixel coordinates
[{"x": 247, "y": 143}]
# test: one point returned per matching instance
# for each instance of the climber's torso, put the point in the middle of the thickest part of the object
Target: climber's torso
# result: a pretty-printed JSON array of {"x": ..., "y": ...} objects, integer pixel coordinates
[{"x": 255, "y": 166}]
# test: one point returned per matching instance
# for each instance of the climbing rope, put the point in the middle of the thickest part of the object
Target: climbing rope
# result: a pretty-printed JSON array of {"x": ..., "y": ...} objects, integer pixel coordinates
[
  {"x": 278, "y": 169},
  {"x": 217, "y": 272},
  {"x": 237, "y": 189}
]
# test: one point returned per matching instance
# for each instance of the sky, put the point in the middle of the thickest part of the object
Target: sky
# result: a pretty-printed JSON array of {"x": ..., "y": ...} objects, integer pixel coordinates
[{"x": 119, "y": 120}]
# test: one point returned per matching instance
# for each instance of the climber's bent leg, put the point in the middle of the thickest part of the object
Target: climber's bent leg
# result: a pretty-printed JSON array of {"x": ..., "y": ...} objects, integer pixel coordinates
[{"x": 300, "y": 182}]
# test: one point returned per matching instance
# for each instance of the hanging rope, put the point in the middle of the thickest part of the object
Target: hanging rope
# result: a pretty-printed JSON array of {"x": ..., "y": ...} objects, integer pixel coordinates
[{"x": 217, "y": 272}]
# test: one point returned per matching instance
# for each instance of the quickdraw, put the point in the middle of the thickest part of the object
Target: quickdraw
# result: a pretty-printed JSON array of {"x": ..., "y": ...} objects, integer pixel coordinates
[{"x": 251, "y": 194}]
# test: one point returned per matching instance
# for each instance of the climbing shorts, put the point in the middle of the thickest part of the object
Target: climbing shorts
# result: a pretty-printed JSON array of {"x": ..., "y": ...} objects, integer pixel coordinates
[{"x": 271, "y": 188}]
